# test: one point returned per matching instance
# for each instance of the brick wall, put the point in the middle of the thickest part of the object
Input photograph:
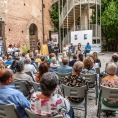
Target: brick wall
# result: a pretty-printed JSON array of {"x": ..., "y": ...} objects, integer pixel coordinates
[{"x": 19, "y": 15}]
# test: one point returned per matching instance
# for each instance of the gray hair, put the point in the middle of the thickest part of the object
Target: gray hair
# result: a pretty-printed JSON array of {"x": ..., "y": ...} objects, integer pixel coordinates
[
  {"x": 16, "y": 53},
  {"x": 38, "y": 55},
  {"x": 78, "y": 66},
  {"x": 111, "y": 68},
  {"x": 53, "y": 60},
  {"x": 48, "y": 83},
  {"x": 28, "y": 60},
  {"x": 19, "y": 66}
]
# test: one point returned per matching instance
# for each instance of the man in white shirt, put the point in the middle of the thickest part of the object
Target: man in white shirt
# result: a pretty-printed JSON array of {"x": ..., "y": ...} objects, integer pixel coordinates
[{"x": 29, "y": 68}]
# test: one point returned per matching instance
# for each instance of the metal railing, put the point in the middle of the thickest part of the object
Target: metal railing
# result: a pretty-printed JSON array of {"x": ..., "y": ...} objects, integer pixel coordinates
[
  {"x": 67, "y": 38},
  {"x": 71, "y": 4}
]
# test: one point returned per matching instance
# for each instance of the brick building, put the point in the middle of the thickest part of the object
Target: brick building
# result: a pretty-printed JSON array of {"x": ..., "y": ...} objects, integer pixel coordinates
[{"x": 23, "y": 21}]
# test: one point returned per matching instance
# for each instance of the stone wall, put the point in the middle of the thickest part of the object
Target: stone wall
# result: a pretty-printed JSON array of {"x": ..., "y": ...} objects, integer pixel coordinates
[{"x": 18, "y": 15}]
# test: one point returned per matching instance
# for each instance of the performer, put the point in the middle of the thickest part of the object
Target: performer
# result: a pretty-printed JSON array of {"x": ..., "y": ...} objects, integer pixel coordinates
[
  {"x": 39, "y": 45},
  {"x": 71, "y": 50},
  {"x": 65, "y": 50},
  {"x": 87, "y": 49}
]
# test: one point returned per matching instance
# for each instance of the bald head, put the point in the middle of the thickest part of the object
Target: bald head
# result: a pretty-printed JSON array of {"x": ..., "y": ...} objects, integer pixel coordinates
[
  {"x": 65, "y": 61},
  {"x": 28, "y": 60},
  {"x": 5, "y": 75}
]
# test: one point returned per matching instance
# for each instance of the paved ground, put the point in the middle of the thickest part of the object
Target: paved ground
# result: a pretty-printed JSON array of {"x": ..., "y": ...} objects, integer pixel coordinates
[{"x": 91, "y": 107}]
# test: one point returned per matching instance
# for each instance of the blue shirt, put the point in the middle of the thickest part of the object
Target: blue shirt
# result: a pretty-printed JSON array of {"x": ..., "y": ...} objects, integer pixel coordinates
[
  {"x": 64, "y": 69},
  {"x": 71, "y": 63},
  {"x": 8, "y": 95},
  {"x": 8, "y": 62},
  {"x": 88, "y": 47}
]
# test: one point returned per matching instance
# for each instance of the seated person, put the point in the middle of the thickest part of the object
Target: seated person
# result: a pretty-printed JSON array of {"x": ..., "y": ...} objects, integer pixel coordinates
[
  {"x": 8, "y": 93},
  {"x": 15, "y": 56},
  {"x": 43, "y": 68},
  {"x": 64, "y": 68},
  {"x": 2, "y": 66},
  {"x": 54, "y": 63},
  {"x": 45, "y": 103},
  {"x": 20, "y": 75},
  {"x": 38, "y": 58},
  {"x": 87, "y": 49},
  {"x": 80, "y": 57},
  {"x": 12, "y": 67},
  {"x": 9, "y": 61},
  {"x": 75, "y": 80},
  {"x": 50, "y": 56},
  {"x": 110, "y": 81},
  {"x": 88, "y": 66},
  {"x": 97, "y": 62},
  {"x": 71, "y": 63}
]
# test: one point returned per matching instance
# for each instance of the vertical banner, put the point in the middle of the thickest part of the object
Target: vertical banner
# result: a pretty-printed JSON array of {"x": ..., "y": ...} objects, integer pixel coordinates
[{"x": 54, "y": 37}]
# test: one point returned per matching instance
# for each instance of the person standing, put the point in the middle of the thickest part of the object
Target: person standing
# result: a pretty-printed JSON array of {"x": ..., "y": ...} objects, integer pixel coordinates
[
  {"x": 56, "y": 50},
  {"x": 87, "y": 49},
  {"x": 39, "y": 45}
]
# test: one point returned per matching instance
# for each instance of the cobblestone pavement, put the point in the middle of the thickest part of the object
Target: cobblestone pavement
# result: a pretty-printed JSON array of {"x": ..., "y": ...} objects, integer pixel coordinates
[{"x": 91, "y": 107}]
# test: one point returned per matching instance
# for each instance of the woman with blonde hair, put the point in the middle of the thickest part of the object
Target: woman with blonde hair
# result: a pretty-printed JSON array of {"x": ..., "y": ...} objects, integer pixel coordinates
[
  {"x": 96, "y": 60},
  {"x": 2, "y": 66},
  {"x": 88, "y": 66}
]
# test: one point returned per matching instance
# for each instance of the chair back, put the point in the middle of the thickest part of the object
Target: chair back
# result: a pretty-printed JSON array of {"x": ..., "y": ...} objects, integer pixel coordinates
[
  {"x": 60, "y": 75},
  {"x": 90, "y": 77},
  {"x": 97, "y": 70},
  {"x": 30, "y": 74},
  {"x": 74, "y": 92},
  {"x": 32, "y": 115},
  {"x": 36, "y": 86},
  {"x": 21, "y": 86},
  {"x": 9, "y": 111},
  {"x": 109, "y": 93}
]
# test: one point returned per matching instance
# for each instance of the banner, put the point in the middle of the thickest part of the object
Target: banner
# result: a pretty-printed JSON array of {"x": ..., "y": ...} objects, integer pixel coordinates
[{"x": 54, "y": 37}]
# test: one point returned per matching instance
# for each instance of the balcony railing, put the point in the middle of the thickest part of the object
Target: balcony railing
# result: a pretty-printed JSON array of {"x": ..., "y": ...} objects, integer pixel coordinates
[
  {"x": 67, "y": 38},
  {"x": 71, "y": 4}
]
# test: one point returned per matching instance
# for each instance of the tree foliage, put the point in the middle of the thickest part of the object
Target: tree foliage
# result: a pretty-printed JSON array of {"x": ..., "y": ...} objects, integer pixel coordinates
[
  {"x": 54, "y": 14},
  {"x": 109, "y": 22}
]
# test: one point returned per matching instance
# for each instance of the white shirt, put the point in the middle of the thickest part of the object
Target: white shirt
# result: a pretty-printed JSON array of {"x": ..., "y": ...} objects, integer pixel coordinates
[
  {"x": 30, "y": 68},
  {"x": 9, "y": 50},
  {"x": 65, "y": 49}
]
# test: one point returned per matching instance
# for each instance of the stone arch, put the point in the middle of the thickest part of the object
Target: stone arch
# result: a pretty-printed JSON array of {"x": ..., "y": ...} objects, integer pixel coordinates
[{"x": 33, "y": 36}]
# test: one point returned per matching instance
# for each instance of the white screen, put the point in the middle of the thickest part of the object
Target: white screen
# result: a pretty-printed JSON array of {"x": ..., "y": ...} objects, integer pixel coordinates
[{"x": 81, "y": 37}]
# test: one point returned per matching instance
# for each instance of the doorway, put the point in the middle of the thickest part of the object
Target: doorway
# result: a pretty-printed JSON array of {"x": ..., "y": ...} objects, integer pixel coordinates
[{"x": 33, "y": 36}]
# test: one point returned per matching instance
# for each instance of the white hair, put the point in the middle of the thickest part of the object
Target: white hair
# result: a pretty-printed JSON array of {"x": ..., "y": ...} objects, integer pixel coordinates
[
  {"x": 111, "y": 68},
  {"x": 53, "y": 60},
  {"x": 16, "y": 53}
]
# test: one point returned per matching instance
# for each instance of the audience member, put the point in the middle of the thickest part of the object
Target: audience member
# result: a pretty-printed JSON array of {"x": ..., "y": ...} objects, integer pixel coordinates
[
  {"x": 9, "y": 61},
  {"x": 75, "y": 80},
  {"x": 35, "y": 53},
  {"x": 54, "y": 63},
  {"x": 13, "y": 66},
  {"x": 71, "y": 63},
  {"x": 50, "y": 56},
  {"x": 15, "y": 55},
  {"x": 43, "y": 68},
  {"x": 88, "y": 66},
  {"x": 23, "y": 57},
  {"x": 43, "y": 58},
  {"x": 79, "y": 49},
  {"x": 10, "y": 50},
  {"x": 87, "y": 49},
  {"x": 110, "y": 81},
  {"x": 96, "y": 60},
  {"x": 4, "y": 59},
  {"x": 2, "y": 66},
  {"x": 20, "y": 75},
  {"x": 27, "y": 54},
  {"x": 38, "y": 58},
  {"x": 8, "y": 93},
  {"x": 47, "y": 103},
  {"x": 29, "y": 68},
  {"x": 80, "y": 57},
  {"x": 31, "y": 55},
  {"x": 64, "y": 68}
]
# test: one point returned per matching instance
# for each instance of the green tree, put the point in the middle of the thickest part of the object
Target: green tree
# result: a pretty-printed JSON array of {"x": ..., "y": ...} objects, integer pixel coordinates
[{"x": 54, "y": 14}]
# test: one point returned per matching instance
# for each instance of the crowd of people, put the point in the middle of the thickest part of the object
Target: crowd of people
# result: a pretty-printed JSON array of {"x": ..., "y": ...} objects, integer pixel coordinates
[{"x": 50, "y": 101}]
